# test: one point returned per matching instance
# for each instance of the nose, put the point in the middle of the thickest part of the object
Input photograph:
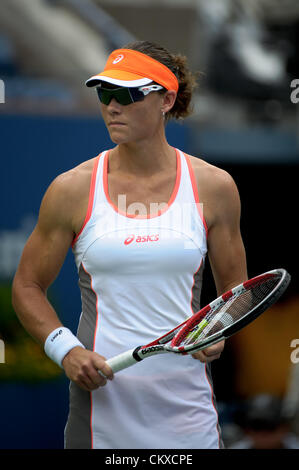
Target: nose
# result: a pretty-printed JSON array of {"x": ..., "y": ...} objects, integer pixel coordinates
[{"x": 114, "y": 106}]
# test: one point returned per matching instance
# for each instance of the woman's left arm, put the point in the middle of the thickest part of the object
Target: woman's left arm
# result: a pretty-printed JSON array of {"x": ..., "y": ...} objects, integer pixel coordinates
[{"x": 225, "y": 245}]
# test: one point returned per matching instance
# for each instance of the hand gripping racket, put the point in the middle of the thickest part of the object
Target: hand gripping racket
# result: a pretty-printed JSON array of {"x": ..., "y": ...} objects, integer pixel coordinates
[{"x": 217, "y": 321}]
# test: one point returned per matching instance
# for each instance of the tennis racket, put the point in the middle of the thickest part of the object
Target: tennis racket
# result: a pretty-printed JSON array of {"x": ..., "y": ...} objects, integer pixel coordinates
[{"x": 220, "y": 319}]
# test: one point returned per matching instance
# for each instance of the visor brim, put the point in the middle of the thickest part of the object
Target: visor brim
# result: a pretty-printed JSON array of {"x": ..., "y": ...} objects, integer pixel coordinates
[{"x": 97, "y": 79}]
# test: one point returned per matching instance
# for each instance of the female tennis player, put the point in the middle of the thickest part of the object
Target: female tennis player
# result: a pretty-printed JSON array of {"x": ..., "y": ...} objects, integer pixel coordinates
[{"x": 140, "y": 218}]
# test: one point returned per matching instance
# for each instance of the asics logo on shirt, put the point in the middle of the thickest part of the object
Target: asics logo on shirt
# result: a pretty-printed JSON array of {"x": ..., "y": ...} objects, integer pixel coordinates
[
  {"x": 129, "y": 239},
  {"x": 141, "y": 239}
]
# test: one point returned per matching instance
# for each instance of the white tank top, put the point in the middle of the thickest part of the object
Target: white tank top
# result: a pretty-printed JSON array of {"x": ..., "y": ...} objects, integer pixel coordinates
[{"x": 140, "y": 277}]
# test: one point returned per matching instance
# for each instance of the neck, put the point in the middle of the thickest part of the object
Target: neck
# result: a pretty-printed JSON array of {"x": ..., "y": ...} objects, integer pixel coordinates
[{"x": 143, "y": 158}]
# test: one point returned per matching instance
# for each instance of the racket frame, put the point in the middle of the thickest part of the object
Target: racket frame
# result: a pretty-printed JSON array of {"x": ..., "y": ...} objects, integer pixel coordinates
[
  {"x": 164, "y": 344},
  {"x": 228, "y": 331}
]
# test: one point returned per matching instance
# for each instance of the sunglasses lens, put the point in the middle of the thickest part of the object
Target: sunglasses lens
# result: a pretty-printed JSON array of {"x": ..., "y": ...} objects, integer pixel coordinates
[
  {"x": 123, "y": 95},
  {"x": 136, "y": 94},
  {"x": 105, "y": 96}
]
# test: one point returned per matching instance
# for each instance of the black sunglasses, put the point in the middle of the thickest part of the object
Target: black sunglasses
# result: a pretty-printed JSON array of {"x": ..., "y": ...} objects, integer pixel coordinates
[{"x": 125, "y": 95}]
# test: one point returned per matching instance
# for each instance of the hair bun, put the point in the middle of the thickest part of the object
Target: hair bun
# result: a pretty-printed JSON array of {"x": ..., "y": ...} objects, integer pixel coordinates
[{"x": 178, "y": 64}]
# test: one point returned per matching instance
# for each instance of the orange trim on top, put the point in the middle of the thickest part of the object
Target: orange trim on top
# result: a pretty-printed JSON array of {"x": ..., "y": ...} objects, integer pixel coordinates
[
  {"x": 170, "y": 202},
  {"x": 195, "y": 192},
  {"x": 90, "y": 199}
]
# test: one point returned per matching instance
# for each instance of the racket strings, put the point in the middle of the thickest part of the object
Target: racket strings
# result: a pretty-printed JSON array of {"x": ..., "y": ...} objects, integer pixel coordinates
[{"x": 228, "y": 312}]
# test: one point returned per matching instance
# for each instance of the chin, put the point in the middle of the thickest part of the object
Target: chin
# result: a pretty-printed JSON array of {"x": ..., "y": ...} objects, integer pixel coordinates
[{"x": 118, "y": 138}]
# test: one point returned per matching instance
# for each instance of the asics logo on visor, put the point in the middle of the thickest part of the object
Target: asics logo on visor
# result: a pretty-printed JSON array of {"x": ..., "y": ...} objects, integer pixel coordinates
[{"x": 118, "y": 59}]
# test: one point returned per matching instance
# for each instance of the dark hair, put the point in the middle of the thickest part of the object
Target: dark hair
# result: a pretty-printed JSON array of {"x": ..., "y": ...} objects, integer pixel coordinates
[{"x": 178, "y": 65}]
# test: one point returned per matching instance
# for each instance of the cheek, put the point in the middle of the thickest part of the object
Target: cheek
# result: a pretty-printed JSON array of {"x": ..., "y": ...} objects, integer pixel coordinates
[
  {"x": 147, "y": 118},
  {"x": 104, "y": 113}
]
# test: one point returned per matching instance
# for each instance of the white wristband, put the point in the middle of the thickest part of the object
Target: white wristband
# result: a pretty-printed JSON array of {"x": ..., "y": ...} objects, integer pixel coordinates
[{"x": 59, "y": 342}]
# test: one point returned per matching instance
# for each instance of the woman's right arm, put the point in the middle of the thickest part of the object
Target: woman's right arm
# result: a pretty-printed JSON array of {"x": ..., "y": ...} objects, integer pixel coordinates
[{"x": 41, "y": 261}]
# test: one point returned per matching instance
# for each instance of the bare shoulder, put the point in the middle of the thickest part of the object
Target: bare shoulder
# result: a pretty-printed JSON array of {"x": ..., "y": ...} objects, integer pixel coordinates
[
  {"x": 74, "y": 180},
  {"x": 66, "y": 199},
  {"x": 212, "y": 180},
  {"x": 217, "y": 191}
]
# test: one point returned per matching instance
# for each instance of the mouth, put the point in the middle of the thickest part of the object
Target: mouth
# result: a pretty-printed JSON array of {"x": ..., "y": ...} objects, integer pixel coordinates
[{"x": 112, "y": 124}]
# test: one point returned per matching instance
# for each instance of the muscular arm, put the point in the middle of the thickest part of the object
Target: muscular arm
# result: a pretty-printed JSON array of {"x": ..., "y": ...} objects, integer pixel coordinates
[
  {"x": 222, "y": 210},
  {"x": 225, "y": 246},
  {"x": 41, "y": 261}
]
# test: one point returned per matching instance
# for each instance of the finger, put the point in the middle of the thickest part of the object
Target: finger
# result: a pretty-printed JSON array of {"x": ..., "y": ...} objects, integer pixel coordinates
[
  {"x": 102, "y": 374},
  {"x": 83, "y": 384},
  {"x": 205, "y": 359},
  {"x": 96, "y": 380},
  {"x": 91, "y": 384},
  {"x": 215, "y": 349},
  {"x": 212, "y": 358},
  {"x": 209, "y": 354},
  {"x": 200, "y": 356},
  {"x": 107, "y": 371},
  {"x": 96, "y": 376},
  {"x": 90, "y": 378},
  {"x": 103, "y": 369}
]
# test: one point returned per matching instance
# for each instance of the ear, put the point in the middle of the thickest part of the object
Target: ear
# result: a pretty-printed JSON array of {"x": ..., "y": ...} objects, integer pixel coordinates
[{"x": 169, "y": 98}]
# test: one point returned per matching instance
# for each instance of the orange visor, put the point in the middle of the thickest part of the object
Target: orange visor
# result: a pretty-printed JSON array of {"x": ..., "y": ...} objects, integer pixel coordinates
[{"x": 129, "y": 68}]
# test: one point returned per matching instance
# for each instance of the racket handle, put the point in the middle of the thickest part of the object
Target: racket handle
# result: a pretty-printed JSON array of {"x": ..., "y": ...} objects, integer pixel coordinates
[{"x": 122, "y": 361}]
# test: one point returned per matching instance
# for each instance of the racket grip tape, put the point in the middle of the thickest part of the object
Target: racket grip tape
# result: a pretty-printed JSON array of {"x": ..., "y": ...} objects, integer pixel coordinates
[{"x": 124, "y": 360}]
